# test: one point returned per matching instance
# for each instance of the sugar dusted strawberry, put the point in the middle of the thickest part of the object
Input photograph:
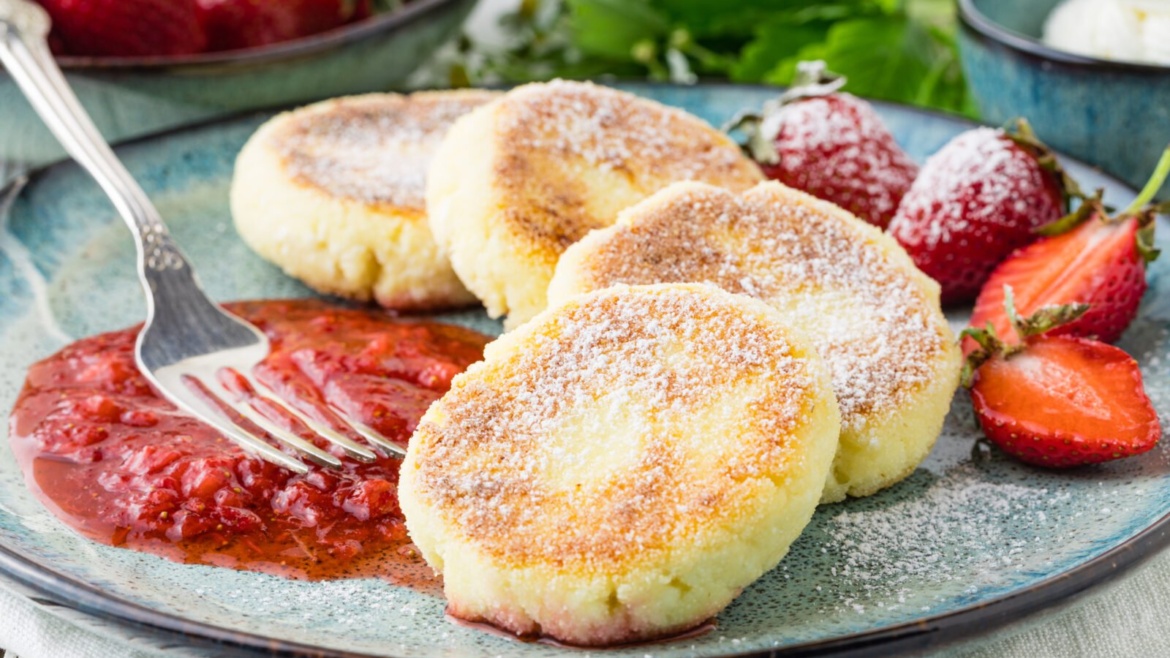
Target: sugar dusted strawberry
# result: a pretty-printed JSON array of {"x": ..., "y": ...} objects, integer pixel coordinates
[
  {"x": 1059, "y": 401},
  {"x": 975, "y": 201},
  {"x": 1086, "y": 257},
  {"x": 125, "y": 28},
  {"x": 831, "y": 145}
]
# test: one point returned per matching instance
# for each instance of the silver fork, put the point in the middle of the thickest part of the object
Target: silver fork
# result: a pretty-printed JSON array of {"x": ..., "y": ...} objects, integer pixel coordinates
[{"x": 187, "y": 336}]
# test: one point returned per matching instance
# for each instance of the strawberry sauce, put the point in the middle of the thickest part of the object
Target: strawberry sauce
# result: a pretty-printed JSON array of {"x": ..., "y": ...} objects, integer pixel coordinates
[{"x": 124, "y": 467}]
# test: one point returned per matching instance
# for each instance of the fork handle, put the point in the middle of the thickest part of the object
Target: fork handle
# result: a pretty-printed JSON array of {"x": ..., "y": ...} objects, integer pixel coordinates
[{"x": 24, "y": 51}]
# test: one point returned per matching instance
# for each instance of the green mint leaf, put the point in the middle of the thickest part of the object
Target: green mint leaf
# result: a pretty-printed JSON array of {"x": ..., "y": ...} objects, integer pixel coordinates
[
  {"x": 612, "y": 28},
  {"x": 886, "y": 57},
  {"x": 776, "y": 41},
  {"x": 740, "y": 20}
]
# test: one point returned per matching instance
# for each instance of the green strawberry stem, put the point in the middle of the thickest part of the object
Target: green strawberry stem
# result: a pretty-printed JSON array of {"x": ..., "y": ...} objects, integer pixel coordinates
[
  {"x": 760, "y": 128},
  {"x": 1090, "y": 206},
  {"x": 1043, "y": 320},
  {"x": 1141, "y": 209},
  {"x": 1152, "y": 186},
  {"x": 812, "y": 79}
]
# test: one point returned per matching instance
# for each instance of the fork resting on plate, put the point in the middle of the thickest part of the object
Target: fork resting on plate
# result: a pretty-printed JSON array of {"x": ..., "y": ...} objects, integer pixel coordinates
[{"x": 188, "y": 341}]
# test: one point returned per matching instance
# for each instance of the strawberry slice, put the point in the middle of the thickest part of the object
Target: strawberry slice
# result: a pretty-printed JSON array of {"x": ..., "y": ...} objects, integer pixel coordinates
[
  {"x": 830, "y": 144},
  {"x": 1058, "y": 401},
  {"x": 1088, "y": 258}
]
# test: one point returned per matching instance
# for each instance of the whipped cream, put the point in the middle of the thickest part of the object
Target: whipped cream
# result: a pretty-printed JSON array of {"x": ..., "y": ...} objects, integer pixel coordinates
[{"x": 1124, "y": 30}]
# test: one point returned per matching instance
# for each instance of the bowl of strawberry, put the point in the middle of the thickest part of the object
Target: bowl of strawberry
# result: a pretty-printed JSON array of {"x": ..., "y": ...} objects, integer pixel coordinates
[{"x": 140, "y": 66}]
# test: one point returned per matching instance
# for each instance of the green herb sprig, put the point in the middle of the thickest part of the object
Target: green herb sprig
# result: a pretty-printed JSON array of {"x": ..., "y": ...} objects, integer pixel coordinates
[{"x": 898, "y": 50}]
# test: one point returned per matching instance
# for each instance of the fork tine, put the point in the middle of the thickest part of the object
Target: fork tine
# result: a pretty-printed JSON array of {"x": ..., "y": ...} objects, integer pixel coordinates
[
  {"x": 216, "y": 419},
  {"x": 244, "y": 408},
  {"x": 351, "y": 447},
  {"x": 183, "y": 397},
  {"x": 375, "y": 437}
]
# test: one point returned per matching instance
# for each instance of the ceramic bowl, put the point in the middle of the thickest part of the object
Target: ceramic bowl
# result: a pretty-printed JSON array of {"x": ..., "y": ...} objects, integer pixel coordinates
[
  {"x": 128, "y": 97},
  {"x": 1114, "y": 115}
]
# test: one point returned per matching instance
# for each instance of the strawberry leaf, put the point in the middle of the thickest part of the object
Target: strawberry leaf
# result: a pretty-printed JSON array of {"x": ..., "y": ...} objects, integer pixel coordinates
[
  {"x": 889, "y": 56},
  {"x": 989, "y": 344},
  {"x": 756, "y": 145},
  {"x": 1020, "y": 132},
  {"x": 612, "y": 28},
  {"x": 777, "y": 40},
  {"x": 1145, "y": 243},
  {"x": 1043, "y": 319},
  {"x": 1090, "y": 207},
  {"x": 1047, "y": 318}
]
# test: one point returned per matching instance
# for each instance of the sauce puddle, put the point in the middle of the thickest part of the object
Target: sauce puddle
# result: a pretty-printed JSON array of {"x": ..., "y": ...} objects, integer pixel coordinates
[{"x": 124, "y": 467}]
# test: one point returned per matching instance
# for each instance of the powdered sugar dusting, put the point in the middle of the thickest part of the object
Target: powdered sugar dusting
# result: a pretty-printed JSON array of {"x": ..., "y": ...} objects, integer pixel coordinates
[
  {"x": 970, "y": 182},
  {"x": 838, "y": 149},
  {"x": 879, "y": 331},
  {"x": 628, "y": 420},
  {"x": 961, "y": 526},
  {"x": 614, "y": 130},
  {"x": 374, "y": 149}
]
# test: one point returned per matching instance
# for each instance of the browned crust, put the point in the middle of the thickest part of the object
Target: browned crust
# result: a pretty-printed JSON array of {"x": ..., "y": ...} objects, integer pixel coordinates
[
  {"x": 372, "y": 149},
  {"x": 554, "y": 134},
  {"x": 772, "y": 243},
  {"x": 483, "y": 452}
]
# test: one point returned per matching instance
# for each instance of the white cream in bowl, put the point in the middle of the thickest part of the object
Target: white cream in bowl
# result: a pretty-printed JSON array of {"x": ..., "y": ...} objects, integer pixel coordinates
[{"x": 1123, "y": 30}]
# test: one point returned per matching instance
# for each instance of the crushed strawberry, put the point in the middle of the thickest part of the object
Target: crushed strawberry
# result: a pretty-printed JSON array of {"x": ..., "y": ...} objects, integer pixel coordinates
[{"x": 126, "y": 28}]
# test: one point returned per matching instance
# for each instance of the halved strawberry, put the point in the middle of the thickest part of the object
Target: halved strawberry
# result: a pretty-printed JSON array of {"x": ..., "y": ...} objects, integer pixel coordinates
[
  {"x": 1088, "y": 258},
  {"x": 830, "y": 144},
  {"x": 1059, "y": 401},
  {"x": 975, "y": 201}
]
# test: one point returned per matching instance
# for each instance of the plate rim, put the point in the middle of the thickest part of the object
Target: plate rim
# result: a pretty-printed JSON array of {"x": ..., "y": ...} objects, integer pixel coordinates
[{"x": 929, "y": 632}]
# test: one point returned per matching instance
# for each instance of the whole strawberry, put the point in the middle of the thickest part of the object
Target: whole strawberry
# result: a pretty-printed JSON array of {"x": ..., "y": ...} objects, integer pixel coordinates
[
  {"x": 831, "y": 145},
  {"x": 236, "y": 24},
  {"x": 125, "y": 28},
  {"x": 1058, "y": 401},
  {"x": 974, "y": 202},
  {"x": 1086, "y": 257}
]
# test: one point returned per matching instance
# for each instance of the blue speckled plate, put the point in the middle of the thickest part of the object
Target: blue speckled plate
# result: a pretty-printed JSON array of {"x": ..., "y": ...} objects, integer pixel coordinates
[{"x": 962, "y": 546}]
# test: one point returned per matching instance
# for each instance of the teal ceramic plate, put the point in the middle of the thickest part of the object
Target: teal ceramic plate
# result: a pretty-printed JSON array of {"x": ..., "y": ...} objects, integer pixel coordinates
[{"x": 969, "y": 542}]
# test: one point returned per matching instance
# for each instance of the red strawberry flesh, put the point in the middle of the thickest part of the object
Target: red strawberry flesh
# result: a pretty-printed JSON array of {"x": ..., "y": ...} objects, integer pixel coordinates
[
  {"x": 1095, "y": 263},
  {"x": 1065, "y": 401}
]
